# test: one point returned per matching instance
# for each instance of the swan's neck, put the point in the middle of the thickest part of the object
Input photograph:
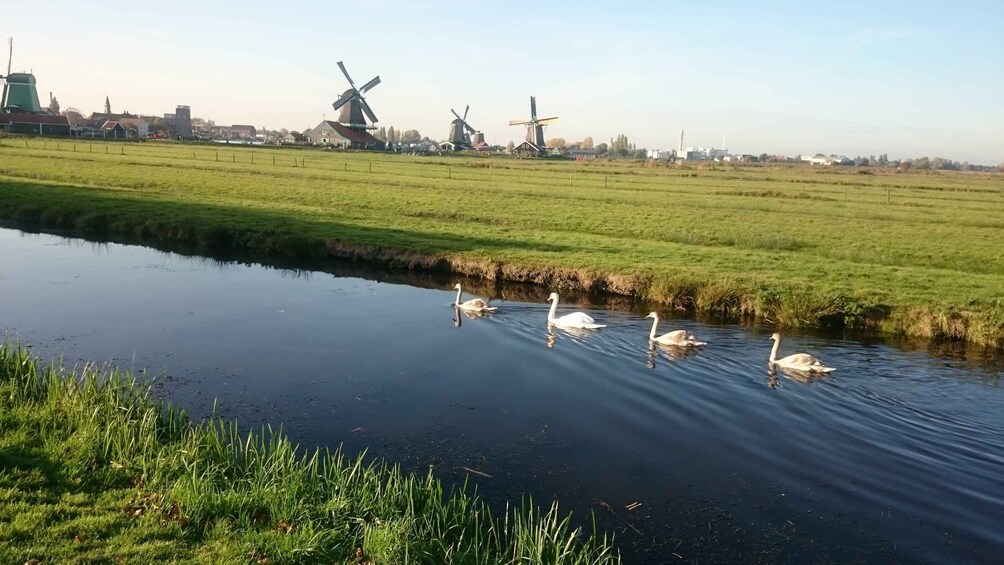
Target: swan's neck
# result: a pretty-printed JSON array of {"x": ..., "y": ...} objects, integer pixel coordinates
[
  {"x": 655, "y": 325},
  {"x": 457, "y": 302},
  {"x": 554, "y": 308},
  {"x": 773, "y": 352}
]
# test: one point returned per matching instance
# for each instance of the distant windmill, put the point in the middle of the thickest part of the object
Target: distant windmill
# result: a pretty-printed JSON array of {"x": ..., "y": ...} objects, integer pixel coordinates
[
  {"x": 353, "y": 106},
  {"x": 19, "y": 93},
  {"x": 534, "y": 130},
  {"x": 461, "y": 132}
]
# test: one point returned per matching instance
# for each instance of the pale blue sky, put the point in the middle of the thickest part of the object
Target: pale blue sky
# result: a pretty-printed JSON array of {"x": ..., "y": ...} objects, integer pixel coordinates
[{"x": 906, "y": 78}]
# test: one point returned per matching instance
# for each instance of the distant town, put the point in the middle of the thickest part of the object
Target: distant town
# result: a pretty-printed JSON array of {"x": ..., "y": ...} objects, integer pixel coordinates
[{"x": 22, "y": 113}]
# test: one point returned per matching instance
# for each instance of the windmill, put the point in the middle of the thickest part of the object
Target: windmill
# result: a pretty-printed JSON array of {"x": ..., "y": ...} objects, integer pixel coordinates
[
  {"x": 534, "y": 130},
  {"x": 19, "y": 93},
  {"x": 461, "y": 132},
  {"x": 353, "y": 106}
]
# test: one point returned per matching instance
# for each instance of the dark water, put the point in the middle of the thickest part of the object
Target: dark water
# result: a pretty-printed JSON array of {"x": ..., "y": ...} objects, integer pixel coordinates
[{"x": 897, "y": 456}]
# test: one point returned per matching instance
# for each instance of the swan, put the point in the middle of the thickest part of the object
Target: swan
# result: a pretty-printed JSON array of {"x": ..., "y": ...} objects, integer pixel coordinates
[
  {"x": 573, "y": 320},
  {"x": 679, "y": 338},
  {"x": 798, "y": 361},
  {"x": 472, "y": 305}
]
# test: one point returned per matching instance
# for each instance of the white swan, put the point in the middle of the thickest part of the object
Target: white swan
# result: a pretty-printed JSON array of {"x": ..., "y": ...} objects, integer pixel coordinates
[
  {"x": 679, "y": 338},
  {"x": 798, "y": 361},
  {"x": 472, "y": 305},
  {"x": 573, "y": 320}
]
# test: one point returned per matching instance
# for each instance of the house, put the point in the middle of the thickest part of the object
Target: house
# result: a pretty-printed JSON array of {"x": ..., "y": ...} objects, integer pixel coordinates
[
  {"x": 34, "y": 124},
  {"x": 138, "y": 126},
  {"x": 292, "y": 138},
  {"x": 114, "y": 129},
  {"x": 582, "y": 154},
  {"x": 243, "y": 132},
  {"x": 336, "y": 135}
]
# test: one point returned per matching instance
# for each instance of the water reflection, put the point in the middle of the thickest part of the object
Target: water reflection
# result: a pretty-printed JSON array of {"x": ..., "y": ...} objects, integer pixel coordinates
[
  {"x": 459, "y": 314},
  {"x": 672, "y": 353},
  {"x": 804, "y": 377}
]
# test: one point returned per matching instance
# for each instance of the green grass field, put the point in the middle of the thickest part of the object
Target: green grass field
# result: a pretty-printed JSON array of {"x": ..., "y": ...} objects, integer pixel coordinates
[
  {"x": 915, "y": 253},
  {"x": 94, "y": 471}
]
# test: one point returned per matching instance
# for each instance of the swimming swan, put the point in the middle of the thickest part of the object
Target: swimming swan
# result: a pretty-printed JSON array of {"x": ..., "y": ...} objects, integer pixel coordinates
[
  {"x": 573, "y": 320},
  {"x": 798, "y": 361},
  {"x": 679, "y": 338},
  {"x": 472, "y": 305}
]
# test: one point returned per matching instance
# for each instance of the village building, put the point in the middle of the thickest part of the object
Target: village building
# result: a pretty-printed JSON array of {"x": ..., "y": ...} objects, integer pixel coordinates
[{"x": 336, "y": 135}]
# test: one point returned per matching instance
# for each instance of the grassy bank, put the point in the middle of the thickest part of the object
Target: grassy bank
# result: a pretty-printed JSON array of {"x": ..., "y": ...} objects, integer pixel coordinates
[
  {"x": 917, "y": 253},
  {"x": 93, "y": 470}
]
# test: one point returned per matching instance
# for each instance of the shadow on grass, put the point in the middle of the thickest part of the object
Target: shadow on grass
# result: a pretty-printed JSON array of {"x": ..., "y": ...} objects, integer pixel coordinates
[{"x": 103, "y": 213}]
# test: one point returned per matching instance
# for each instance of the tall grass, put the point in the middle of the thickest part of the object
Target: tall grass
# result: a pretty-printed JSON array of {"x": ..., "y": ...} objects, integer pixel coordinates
[{"x": 209, "y": 491}]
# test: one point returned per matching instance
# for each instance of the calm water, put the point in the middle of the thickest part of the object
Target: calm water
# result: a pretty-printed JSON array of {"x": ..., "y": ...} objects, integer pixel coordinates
[{"x": 899, "y": 455}]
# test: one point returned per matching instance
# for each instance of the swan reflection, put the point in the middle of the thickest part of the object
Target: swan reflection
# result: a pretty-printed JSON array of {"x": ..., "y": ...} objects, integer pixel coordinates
[
  {"x": 671, "y": 353},
  {"x": 458, "y": 316},
  {"x": 574, "y": 333},
  {"x": 804, "y": 377}
]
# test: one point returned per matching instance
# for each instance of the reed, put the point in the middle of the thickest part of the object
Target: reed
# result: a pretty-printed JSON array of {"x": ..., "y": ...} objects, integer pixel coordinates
[{"x": 93, "y": 469}]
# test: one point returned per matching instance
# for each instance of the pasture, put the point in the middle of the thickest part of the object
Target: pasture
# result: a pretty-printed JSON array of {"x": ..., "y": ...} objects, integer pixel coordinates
[{"x": 914, "y": 253}]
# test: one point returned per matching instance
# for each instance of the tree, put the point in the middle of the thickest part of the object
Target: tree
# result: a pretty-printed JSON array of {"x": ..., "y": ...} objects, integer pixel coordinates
[
  {"x": 54, "y": 106},
  {"x": 391, "y": 135},
  {"x": 641, "y": 153},
  {"x": 601, "y": 149},
  {"x": 555, "y": 142},
  {"x": 587, "y": 143},
  {"x": 411, "y": 136},
  {"x": 73, "y": 116},
  {"x": 510, "y": 146},
  {"x": 620, "y": 146},
  {"x": 381, "y": 134}
]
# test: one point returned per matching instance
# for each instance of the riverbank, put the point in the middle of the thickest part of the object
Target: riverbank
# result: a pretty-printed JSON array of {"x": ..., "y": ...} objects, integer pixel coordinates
[
  {"x": 93, "y": 469},
  {"x": 908, "y": 254}
]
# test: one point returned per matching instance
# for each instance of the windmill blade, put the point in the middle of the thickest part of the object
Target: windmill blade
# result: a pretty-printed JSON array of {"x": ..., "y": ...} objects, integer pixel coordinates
[
  {"x": 346, "y": 73},
  {"x": 343, "y": 99},
  {"x": 467, "y": 126},
  {"x": 10, "y": 53},
  {"x": 456, "y": 114},
  {"x": 465, "y": 112},
  {"x": 366, "y": 87},
  {"x": 546, "y": 121},
  {"x": 533, "y": 108},
  {"x": 519, "y": 122},
  {"x": 366, "y": 109}
]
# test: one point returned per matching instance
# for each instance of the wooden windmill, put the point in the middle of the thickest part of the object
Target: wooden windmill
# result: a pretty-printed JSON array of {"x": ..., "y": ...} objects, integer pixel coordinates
[
  {"x": 534, "y": 130},
  {"x": 461, "y": 131},
  {"x": 352, "y": 105}
]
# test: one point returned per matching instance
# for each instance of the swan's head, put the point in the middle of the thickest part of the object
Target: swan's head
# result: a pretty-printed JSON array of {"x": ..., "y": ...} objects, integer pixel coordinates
[
  {"x": 554, "y": 296},
  {"x": 776, "y": 336},
  {"x": 652, "y": 315},
  {"x": 457, "y": 287}
]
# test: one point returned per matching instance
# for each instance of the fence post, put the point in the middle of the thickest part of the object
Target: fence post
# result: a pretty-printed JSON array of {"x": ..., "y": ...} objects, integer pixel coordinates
[
  {"x": 888, "y": 195},
  {"x": 449, "y": 172},
  {"x": 604, "y": 182},
  {"x": 106, "y": 149},
  {"x": 121, "y": 150},
  {"x": 252, "y": 158},
  {"x": 569, "y": 179},
  {"x": 193, "y": 155},
  {"x": 235, "y": 157},
  {"x": 273, "y": 159},
  {"x": 217, "y": 156},
  {"x": 371, "y": 166}
]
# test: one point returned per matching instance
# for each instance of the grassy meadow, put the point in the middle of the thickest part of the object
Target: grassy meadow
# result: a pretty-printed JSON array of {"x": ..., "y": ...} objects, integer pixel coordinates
[
  {"x": 94, "y": 471},
  {"x": 914, "y": 253}
]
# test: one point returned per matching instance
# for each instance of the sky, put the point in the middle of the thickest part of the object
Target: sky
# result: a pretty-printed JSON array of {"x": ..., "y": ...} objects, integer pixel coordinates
[{"x": 855, "y": 78}]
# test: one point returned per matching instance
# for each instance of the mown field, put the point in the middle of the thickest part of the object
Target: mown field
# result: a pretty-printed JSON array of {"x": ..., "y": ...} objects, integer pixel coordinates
[{"x": 916, "y": 253}]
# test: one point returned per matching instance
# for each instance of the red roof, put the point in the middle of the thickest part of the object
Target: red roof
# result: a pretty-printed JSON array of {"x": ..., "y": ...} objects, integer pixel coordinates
[{"x": 23, "y": 118}]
